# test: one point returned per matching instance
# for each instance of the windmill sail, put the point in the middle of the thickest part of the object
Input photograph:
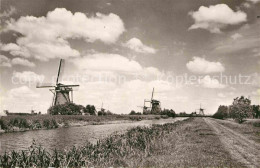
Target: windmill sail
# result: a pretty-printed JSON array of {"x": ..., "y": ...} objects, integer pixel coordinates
[
  {"x": 61, "y": 92},
  {"x": 59, "y": 71}
]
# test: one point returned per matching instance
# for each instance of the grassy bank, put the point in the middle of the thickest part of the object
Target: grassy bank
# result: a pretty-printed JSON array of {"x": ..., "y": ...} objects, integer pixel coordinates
[
  {"x": 24, "y": 123},
  {"x": 188, "y": 143}
]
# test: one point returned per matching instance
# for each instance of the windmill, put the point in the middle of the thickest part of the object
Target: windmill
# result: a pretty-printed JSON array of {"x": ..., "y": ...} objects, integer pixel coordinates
[
  {"x": 61, "y": 93},
  {"x": 155, "y": 105},
  {"x": 201, "y": 111},
  {"x": 144, "y": 107},
  {"x": 101, "y": 108}
]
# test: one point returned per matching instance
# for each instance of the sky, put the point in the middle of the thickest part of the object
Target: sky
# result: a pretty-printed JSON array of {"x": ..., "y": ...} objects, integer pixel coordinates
[{"x": 191, "y": 52}]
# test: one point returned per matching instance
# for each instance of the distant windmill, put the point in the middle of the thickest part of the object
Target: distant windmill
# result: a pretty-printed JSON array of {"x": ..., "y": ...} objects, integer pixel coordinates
[
  {"x": 61, "y": 92},
  {"x": 155, "y": 105},
  {"x": 201, "y": 111},
  {"x": 101, "y": 108}
]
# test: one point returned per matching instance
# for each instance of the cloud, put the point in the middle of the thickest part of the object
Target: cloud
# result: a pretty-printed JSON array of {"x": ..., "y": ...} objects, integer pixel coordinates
[
  {"x": 214, "y": 18},
  {"x": 201, "y": 66},
  {"x": 27, "y": 77},
  {"x": 22, "y": 61},
  {"x": 47, "y": 37},
  {"x": 248, "y": 44},
  {"x": 107, "y": 62},
  {"x": 8, "y": 13},
  {"x": 137, "y": 45},
  {"x": 124, "y": 97},
  {"x": 246, "y": 5},
  {"x": 103, "y": 62},
  {"x": 254, "y": 1},
  {"x": 22, "y": 92},
  {"x": 212, "y": 83},
  {"x": 4, "y": 61},
  {"x": 221, "y": 95},
  {"x": 236, "y": 36}
]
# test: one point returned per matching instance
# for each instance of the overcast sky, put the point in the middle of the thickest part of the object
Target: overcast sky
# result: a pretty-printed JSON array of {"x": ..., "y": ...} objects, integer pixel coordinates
[{"x": 190, "y": 51}]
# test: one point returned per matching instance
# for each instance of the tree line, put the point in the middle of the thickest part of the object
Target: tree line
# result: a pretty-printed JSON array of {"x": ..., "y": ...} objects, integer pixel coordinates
[
  {"x": 75, "y": 109},
  {"x": 168, "y": 112},
  {"x": 239, "y": 110}
]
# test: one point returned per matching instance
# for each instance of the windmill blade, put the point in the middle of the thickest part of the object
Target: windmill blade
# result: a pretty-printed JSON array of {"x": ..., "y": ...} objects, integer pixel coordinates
[
  {"x": 68, "y": 85},
  {"x": 60, "y": 70},
  {"x": 44, "y": 85},
  {"x": 152, "y": 94}
]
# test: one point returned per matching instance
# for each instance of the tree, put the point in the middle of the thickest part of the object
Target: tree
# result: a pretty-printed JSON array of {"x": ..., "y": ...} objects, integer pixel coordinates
[
  {"x": 169, "y": 113},
  {"x": 222, "y": 112},
  {"x": 90, "y": 109},
  {"x": 240, "y": 109},
  {"x": 134, "y": 113},
  {"x": 66, "y": 109},
  {"x": 256, "y": 111}
]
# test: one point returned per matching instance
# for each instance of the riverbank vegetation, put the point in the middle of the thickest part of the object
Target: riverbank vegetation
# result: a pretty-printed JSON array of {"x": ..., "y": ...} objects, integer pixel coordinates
[
  {"x": 23, "y": 123},
  {"x": 180, "y": 144},
  {"x": 239, "y": 110}
]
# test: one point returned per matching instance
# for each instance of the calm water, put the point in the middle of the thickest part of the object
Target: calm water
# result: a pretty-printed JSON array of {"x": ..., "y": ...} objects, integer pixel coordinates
[{"x": 63, "y": 138}]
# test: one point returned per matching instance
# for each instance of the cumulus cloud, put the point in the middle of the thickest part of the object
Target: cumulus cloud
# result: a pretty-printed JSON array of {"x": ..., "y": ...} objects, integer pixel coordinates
[
  {"x": 236, "y": 36},
  {"x": 202, "y": 66},
  {"x": 103, "y": 62},
  {"x": 137, "y": 45},
  {"x": 21, "y": 93},
  {"x": 4, "y": 61},
  {"x": 212, "y": 83},
  {"x": 22, "y": 61},
  {"x": 214, "y": 18},
  {"x": 27, "y": 77},
  {"x": 107, "y": 62},
  {"x": 47, "y": 37},
  {"x": 124, "y": 97}
]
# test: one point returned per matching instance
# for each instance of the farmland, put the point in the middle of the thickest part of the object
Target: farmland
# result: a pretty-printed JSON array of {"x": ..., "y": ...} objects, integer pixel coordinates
[{"x": 195, "y": 142}]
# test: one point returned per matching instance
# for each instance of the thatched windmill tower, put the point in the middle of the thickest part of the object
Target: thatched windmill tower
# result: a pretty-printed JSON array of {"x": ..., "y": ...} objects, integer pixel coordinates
[{"x": 61, "y": 93}]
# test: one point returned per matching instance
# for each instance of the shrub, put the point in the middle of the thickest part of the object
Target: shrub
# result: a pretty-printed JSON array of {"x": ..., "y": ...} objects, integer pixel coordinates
[
  {"x": 19, "y": 122},
  {"x": 37, "y": 124},
  {"x": 54, "y": 124},
  {"x": 66, "y": 109},
  {"x": 3, "y": 125},
  {"x": 46, "y": 123}
]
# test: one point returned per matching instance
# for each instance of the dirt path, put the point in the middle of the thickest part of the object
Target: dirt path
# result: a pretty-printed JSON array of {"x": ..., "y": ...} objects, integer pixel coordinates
[{"x": 239, "y": 146}]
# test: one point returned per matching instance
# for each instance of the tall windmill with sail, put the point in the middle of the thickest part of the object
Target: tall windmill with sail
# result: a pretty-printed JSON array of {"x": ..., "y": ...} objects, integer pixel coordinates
[
  {"x": 61, "y": 93},
  {"x": 155, "y": 105},
  {"x": 201, "y": 111}
]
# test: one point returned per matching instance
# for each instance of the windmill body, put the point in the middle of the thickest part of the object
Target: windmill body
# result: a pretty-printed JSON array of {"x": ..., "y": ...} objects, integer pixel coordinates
[{"x": 62, "y": 93}]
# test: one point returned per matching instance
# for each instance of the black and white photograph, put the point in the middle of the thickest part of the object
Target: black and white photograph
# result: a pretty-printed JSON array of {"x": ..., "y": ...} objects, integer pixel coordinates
[{"x": 129, "y": 83}]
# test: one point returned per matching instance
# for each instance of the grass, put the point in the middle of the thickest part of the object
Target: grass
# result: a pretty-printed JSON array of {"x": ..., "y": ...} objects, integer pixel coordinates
[
  {"x": 23, "y": 123},
  {"x": 188, "y": 143}
]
